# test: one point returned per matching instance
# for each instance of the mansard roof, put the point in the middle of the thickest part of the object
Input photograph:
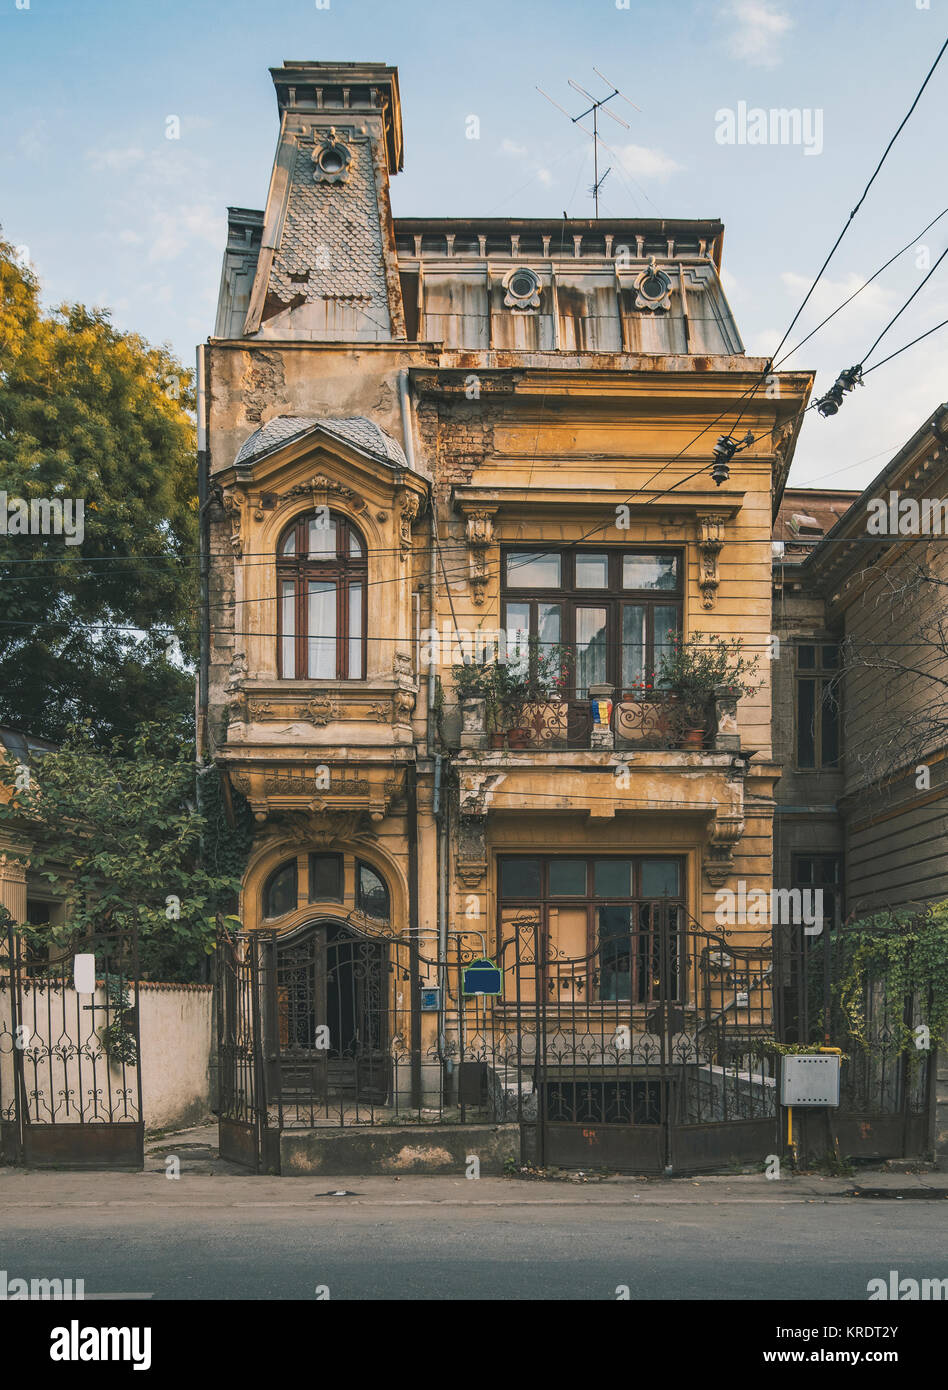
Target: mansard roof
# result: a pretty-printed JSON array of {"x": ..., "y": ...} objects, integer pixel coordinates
[{"x": 355, "y": 430}]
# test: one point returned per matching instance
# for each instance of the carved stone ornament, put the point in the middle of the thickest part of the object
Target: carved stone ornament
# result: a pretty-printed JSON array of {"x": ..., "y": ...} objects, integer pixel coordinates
[
  {"x": 403, "y": 703},
  {"x": 710, "y": 543},
  {"x": 407, "y": 514},
  {"x": 320, "y": 710},
  {"x": 479, "y": 532},
  {"x": 726, "y": 831},
  {"x": 652, "y": 288},
  {"x": 331, "y": 158},
  {"x": 232, "y": 508},
  {"x": 471, "y": 861},
  {"x": 320, "y": 828}
]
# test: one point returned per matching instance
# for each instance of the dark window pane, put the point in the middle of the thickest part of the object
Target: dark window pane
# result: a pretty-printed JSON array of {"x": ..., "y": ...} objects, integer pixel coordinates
[
  {"x": 280, "y": 893},
  {"x": 614, "y": 925},
  {"x": 613, "y": 878},
  {"x": 325, "y": 877},
  {"x": 530, "y": 570},
  {"x": 520, "y": 878},
  {"x": 567, "y": 878},
  {"x": 829, "y": 742},
  {"x": 659, "y": 878},
  {"x": 372, "y": 894},
  {"x": 806, "y": 658},
  {"x": 830, "y": 657},
  {"x": 804, "y": 871},
  {"x": 650, "y": 571},
  {"x": 806, "y": 732}
]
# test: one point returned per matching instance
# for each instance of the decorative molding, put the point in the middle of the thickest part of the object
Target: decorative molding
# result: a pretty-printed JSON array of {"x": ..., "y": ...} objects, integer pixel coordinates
[
  {"x": 232, "y": 506},
  {"x": 408, "y": 510},
  {"x": 331, "y": 157},
  {"x": 479, "y": 533},
  {"x": 471, "y": 858},
  {"x": 726, "y": 831},
  {"x": 710, "y": 527},
  {"x": 318, "y": 489}
]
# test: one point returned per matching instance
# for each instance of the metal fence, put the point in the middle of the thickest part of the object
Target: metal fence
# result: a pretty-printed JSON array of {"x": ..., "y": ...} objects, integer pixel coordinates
[
  {"x": 886, "y": 1088},
  {"x": 70, "y": 1078},
  {"x": 641, "y": 1054}
]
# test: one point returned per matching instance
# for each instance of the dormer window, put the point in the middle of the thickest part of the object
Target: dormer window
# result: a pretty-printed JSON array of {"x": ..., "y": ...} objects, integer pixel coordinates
[{"x": 322, "y": 576}]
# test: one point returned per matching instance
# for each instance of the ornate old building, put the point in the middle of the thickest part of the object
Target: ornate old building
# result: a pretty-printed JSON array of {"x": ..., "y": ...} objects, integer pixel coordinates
[{"x": 426, "y": 439}]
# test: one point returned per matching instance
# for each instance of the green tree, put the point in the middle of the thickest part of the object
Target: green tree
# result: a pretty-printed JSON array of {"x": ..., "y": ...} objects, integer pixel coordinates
[
  {"x": 100, "y": 632},
  {"x": 120, "y": 837}
]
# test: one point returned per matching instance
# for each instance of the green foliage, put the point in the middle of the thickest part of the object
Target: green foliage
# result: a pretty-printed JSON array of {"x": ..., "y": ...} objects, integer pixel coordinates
[
  {"x": 904, "y": 954},
  {"x": 119, "y": 837},
  {"x": 117, "y": 1038},
  {"x": 87, "y": 412},
  {"x": 694, "y": 668},
  {"x": 536, "y": 675}
]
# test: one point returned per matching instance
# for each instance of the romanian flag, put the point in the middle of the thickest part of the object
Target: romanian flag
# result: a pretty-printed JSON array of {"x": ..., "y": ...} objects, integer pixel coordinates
[{"x": 601, "y": 711}]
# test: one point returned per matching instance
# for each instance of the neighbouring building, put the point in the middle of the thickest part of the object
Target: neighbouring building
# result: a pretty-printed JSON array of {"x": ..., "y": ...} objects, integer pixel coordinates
[
  {"x": 420, "y": 436},
  {"x": 861, "y": 731},
  {"x": 861, "y": 688}
]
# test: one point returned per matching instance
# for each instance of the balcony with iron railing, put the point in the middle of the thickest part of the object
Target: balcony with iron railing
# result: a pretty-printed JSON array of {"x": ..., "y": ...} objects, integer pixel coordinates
[
  {"x": 547, "y": 697},
  {"x": 605, "y": 720}
]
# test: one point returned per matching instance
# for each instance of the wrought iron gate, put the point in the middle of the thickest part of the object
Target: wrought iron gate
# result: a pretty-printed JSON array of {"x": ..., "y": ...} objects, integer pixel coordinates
[
  {"x": 70, "y": 1073},
  {"x": 645, "y": 1052},
  {"x": 640, "y": 1056}
]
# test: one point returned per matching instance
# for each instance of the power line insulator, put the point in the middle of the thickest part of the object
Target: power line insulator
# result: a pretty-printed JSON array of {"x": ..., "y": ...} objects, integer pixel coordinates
[
  {"x": 846, "y": 381},
  {"x": 724, "y": 451}
]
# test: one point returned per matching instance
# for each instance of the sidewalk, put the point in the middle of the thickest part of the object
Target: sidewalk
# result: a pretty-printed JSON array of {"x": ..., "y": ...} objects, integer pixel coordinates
[{"x": 208, "y": 1181}]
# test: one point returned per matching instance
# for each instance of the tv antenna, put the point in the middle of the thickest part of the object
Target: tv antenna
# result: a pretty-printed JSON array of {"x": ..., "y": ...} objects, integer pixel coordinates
[{"x": 593, "y": 110}]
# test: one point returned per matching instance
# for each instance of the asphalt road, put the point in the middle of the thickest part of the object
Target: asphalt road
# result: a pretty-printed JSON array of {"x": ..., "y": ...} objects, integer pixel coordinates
[{"x": 294, "y": 1243}]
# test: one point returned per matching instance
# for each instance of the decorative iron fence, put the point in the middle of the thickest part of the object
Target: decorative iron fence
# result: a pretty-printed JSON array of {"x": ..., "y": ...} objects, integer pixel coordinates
[
  {"x": 656, "y": 722},
  {"x": 70, "y": 1076},
  {"x": 640, "y": 1054},
  {"x": 886, "y": 1090}
]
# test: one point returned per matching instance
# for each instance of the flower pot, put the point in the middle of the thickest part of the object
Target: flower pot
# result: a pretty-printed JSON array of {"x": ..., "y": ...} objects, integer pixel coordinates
[
  {"x": 692, "y": 738},
  {"x": 496, "y": 740},
  {"x": 518, "y": 738}
]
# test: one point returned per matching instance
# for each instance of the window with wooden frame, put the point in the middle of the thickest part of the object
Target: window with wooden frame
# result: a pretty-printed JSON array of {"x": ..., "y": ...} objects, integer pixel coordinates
[
  {"x": 817, "y": 705},
  {"x": 603, "y": 915},
  {"x": 613, "y": 609},
  {"x": 322, "y": 584}
]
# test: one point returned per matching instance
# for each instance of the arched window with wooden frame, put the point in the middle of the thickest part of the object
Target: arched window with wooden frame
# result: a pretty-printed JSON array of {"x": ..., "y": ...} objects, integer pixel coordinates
[{"x": 322, "y": 584}]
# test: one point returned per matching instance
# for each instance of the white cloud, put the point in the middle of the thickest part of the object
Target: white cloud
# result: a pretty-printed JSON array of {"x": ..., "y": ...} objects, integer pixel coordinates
[
  {"x": 510, "y": 147},
  {"x": 758, "y": 29},
  {"x": 114, "y": 161},
  {"x": 642, "y": 162}
]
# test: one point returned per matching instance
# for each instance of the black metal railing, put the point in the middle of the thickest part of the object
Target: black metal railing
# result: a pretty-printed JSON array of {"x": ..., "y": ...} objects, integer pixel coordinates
[{"x": 655, "y": 722}]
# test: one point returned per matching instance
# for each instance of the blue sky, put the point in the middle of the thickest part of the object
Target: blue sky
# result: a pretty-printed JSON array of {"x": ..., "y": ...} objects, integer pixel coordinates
[{"x": 114, "y": 213}]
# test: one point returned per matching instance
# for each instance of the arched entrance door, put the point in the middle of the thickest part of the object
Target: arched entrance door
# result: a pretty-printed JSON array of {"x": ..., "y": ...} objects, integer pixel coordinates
[{"x": 330, "y": 1016}]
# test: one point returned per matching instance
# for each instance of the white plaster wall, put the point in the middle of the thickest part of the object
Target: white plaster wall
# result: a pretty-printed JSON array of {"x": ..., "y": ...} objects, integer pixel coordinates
[{"x": 175, "y": 1023}]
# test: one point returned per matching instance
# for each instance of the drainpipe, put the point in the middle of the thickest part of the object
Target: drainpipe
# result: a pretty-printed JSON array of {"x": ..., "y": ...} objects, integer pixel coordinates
[
  {"x": 204, "y": 546},
  {"x": 438, "y": 807},
  {"x": 412, "y": 812}
]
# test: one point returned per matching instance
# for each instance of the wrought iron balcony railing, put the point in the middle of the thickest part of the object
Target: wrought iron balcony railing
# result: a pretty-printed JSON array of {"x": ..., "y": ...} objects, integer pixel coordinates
[{"x": 603, "y": 721}]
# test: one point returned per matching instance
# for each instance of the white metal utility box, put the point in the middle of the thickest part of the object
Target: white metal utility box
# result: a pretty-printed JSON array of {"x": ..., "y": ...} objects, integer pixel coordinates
[{"x": 810, "y": 1079}]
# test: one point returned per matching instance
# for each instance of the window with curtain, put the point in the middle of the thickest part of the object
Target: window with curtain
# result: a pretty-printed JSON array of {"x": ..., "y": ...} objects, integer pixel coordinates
[
  {"x": 615, "y": 610},
  {"x": 322, "y": 576}
]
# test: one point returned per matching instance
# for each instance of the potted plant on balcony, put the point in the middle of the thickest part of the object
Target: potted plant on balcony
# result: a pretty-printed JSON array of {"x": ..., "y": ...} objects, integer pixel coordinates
[
  {"x": 693, "y": 669},
  {"x": 538, "y": 676},
  {"x": 475, "y": 681}
]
